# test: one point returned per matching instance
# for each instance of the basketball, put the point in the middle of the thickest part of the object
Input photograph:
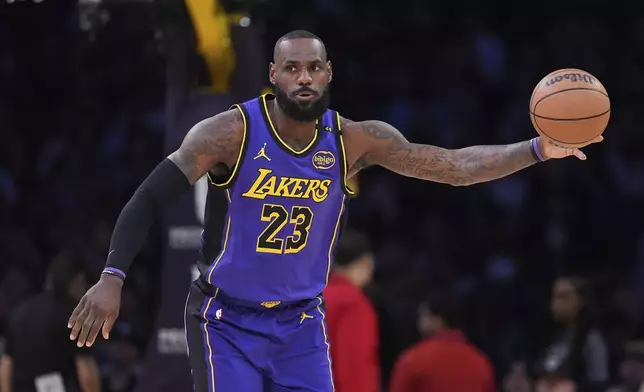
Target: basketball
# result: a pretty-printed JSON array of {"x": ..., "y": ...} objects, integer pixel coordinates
[{"x": 570, "y": 107}]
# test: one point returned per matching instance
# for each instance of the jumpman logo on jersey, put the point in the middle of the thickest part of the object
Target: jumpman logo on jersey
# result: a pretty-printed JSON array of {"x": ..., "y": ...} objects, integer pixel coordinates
[
  {"x": 262, "y": 153},
  {"x": 304, "y": 316}
]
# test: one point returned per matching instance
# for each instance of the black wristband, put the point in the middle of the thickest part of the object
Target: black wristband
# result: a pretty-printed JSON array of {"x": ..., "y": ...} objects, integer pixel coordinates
[{"x": 164, "y": 185}]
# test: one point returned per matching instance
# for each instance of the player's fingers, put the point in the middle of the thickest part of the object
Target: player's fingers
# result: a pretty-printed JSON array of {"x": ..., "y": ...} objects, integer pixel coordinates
[
  {"x": 597, "y": 139},
  {"x": 78, "y": 323},
  {"x": 77, "y": 312},
  {"x": 107, "y": 326},
  {"x": 579, "y": 154},
  {"x": 93, "y": 333},
  {"x": 87, "y": 326}
]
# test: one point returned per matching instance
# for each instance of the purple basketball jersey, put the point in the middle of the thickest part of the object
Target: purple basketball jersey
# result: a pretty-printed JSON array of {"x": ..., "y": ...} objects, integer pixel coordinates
[{"x": 285, "y": 212}]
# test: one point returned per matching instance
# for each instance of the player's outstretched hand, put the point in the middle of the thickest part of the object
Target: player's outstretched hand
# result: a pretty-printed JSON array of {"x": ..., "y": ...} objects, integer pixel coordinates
[
  {"x": 551, "y": 150},
  {"x": 98, "y": 308}
]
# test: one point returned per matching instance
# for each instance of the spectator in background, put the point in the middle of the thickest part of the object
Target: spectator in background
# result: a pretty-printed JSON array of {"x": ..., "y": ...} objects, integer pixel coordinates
[
  {"x": 444, "y": 361},
  {"x": 631, "y": 370},
  {"x": 517, "y": 379},
  {"x": 351, "y": 319},
  {"x": 576, "y": 359},
  {"x": 39, "y": 355},
  {"x": 121, "y": 371}
]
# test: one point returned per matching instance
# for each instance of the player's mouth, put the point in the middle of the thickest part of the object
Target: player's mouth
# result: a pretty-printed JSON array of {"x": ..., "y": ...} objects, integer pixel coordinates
[{"x": 305, "y": 96}]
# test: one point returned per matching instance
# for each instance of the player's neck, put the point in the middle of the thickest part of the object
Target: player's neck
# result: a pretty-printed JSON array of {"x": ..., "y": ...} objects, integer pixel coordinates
[{"x": 289, "y": 128}]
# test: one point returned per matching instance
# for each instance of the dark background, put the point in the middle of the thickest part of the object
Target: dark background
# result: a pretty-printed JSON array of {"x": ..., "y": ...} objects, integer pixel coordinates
[{"x": 92, "y": 97}]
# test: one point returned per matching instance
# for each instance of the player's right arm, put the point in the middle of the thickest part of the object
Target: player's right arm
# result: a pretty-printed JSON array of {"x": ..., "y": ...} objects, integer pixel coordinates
[{"x": 209, "y": 144}]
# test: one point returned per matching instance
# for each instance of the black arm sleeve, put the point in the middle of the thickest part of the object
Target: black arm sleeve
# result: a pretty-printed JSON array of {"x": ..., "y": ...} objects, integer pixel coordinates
[{"x": 164, "y": 185}]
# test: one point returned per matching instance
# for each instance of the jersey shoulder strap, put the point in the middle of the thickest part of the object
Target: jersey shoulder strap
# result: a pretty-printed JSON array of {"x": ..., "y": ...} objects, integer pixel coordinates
[{"x": 229, "y": 180}]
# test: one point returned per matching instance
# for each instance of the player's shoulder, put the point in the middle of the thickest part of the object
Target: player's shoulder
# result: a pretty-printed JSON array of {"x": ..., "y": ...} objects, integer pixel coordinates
[
  {"x": 373, "y": 129},
  {"x": 232, "y": 119},
  {"x": 359, "y": 135},
  {"x": 220, "y": 136},
  {"x": 225, "y": 128},
  {"x": 351, "y": 130},
  {"x": 348, "y": 125}
]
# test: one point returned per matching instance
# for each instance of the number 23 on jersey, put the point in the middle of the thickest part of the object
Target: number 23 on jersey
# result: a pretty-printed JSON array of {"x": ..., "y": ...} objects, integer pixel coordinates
[{"x": 277, "y": 216}]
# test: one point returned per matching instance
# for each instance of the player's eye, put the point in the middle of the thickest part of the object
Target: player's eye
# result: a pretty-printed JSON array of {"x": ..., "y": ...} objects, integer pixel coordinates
[
  {"x": 291, "y": 68},
  {"x": 316, "y": 68}
]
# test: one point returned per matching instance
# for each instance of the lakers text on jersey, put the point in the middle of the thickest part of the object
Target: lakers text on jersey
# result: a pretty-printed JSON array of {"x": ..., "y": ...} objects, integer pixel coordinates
[{"x": 285, "y": 210}]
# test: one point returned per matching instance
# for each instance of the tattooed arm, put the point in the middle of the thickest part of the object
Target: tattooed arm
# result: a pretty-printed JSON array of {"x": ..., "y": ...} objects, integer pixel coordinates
[
  {"x": 209, "y": 144},
  {"x": 378, "y": 143}
]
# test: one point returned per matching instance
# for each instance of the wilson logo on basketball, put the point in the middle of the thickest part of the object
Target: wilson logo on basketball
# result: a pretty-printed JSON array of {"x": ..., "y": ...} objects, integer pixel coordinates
[
  {"x": 572, "y": 77},
  {"x": 323, "y": 160}
]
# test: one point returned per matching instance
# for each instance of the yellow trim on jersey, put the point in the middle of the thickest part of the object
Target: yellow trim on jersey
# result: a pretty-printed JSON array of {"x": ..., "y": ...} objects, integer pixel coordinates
[
  {"x": 205, "y": 329},
  {"x": 277, "y": 135},
  {"x": 239, "y": 155},
  {"x": 326, "y": 341},
  {"x": 345, "y": 165},
  {"x": 226, "y": 236},
  {"x": 185, "y": 319},
  {"x": 333, "y": 239}
]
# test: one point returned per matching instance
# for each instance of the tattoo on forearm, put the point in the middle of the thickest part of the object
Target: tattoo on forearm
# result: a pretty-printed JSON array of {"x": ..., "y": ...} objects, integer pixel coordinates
[
  {"x": 456, "y": 167},
  {"x": 210, "y": 142},
  {"x": 487, "y": 163}
]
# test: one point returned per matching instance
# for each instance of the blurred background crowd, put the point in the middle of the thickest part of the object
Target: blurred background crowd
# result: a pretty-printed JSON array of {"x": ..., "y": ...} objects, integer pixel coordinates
[{"x": 83, "y": 110}]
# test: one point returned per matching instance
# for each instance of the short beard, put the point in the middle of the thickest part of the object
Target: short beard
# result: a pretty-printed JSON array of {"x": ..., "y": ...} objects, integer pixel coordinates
[{"x": 302, "y": 112}]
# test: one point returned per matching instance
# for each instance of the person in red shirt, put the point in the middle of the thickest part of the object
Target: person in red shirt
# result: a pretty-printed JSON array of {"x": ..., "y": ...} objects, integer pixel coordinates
[
  {"x": 351, "y": 319},
  {"x": 445, "y": 361}
]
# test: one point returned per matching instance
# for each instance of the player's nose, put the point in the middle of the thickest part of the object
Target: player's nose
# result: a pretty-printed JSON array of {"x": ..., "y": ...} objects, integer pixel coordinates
[{"x": 304, "y": 78}]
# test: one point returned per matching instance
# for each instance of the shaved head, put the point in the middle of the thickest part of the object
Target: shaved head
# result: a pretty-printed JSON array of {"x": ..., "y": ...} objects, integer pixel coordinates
[
  {"x": 301, "y": 74},
  {"x": 297, "y": 34}
]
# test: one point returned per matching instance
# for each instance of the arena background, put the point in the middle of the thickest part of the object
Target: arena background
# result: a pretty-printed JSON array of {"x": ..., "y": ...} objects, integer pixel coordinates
[{"x": 93, "y": 94}]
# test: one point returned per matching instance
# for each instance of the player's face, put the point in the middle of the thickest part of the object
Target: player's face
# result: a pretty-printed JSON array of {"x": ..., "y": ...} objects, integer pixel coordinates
[{"x": 301, "y": 77}]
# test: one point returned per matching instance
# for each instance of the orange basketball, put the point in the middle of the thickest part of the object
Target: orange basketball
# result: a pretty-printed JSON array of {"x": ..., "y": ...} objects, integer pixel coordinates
[{"x": 570, "y": 107}]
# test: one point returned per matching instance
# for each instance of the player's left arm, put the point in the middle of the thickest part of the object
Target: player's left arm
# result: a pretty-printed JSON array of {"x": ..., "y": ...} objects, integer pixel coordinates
[{"x": 378, "y": 143}]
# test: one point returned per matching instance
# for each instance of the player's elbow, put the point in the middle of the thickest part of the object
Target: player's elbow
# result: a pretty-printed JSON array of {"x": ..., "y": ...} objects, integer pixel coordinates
[{"x": 463, "y": 170}]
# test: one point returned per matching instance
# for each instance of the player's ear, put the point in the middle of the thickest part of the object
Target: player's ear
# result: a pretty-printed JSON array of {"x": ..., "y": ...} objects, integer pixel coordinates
[
  {"x": 329, "y": 70},
  {"x": 271, "y": 73}
]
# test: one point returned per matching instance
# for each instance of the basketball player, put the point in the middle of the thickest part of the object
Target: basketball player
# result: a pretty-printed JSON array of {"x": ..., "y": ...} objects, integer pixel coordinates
[{"x": 255, "y": 317}]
